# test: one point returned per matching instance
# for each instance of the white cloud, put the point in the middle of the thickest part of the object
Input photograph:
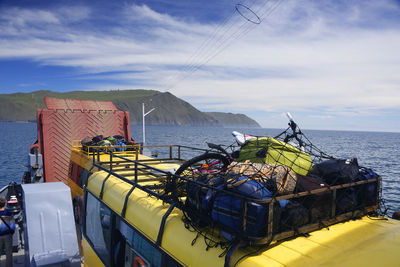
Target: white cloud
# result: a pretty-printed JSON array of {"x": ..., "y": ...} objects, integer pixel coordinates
[
  {"x": 73, "y": 13},
  {"x": 22, "y": 17},
  {"x": 303, "y": 56},
  {"x": 144, "y": 14}
]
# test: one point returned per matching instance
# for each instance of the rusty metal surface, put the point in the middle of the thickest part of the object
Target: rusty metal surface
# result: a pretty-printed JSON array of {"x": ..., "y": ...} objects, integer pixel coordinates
[{"x": 59, "y": 126}]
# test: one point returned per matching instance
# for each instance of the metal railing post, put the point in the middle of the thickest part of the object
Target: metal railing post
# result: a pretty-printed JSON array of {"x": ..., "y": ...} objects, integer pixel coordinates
[
  {"x": 136, "y": 173},
  {"x": 244, "y": 218},
  {"x": 378, "y": 190},
  {"x": 333, "y": 212},
  {"x": 270, "y": 219},
  {"x": 111, "y": 159}
]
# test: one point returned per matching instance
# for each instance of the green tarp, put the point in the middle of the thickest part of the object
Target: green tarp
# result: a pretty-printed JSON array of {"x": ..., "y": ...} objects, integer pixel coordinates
[{"x": 277, "y": 152}]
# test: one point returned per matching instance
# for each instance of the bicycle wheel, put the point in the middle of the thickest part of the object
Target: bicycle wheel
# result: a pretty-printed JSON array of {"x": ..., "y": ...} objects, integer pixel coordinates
[
  {"x": 203, "y": 164},
  {"x": 192, "y": 169}
]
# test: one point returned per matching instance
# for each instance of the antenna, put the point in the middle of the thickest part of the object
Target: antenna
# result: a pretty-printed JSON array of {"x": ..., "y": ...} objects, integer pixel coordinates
[{"x": 144, "y": 115}]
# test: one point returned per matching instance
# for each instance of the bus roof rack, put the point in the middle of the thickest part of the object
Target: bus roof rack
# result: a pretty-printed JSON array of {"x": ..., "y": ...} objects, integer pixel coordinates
[{"x": 165, "y": 187}]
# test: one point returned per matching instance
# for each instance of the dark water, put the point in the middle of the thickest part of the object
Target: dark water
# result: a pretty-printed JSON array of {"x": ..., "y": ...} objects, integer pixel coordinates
[{"x": 380, "y": 151}]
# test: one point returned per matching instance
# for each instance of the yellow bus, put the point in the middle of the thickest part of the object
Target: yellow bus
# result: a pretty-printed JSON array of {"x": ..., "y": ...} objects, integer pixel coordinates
[{"x": 127, "y": 222}]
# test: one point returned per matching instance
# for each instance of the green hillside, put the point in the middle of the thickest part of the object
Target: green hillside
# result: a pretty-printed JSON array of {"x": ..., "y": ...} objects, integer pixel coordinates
[
  {"x": 170, "y": 110},
  {"x": 23, "y": 106}
]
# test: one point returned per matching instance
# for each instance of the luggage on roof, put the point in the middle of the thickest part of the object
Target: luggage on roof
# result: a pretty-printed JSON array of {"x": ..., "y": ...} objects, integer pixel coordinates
[
  {"x": 272, "y": 151},
  {"x": 111, "y": 143},
  {"x": 278, "y": 178},
  {"x": 337, "y": 171}
]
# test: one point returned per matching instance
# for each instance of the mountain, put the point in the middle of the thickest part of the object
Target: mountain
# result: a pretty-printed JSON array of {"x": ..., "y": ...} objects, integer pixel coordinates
[
  {"x": 232, "y": 120},
  {"x": 169, "y": 109}
]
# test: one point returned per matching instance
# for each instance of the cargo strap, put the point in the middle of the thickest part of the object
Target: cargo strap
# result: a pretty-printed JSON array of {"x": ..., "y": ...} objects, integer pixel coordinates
[
  {"x": 126, "y": 201},
  {"x": 162, "y": 225},
  {"x": 103, "y": 186}
]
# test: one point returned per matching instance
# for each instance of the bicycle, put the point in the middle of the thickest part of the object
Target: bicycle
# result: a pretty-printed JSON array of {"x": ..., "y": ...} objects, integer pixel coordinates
[
  {"x": 215, "y": 160},
  {"x": 218, "y": 159}
]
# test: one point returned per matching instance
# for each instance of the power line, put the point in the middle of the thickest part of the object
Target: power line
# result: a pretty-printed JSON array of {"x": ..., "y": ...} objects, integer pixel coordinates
[{"x": 214, "y": 45}]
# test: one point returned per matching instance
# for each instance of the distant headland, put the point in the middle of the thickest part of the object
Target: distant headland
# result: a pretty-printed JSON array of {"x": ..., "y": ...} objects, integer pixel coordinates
[{"x": 170, "y": 110}]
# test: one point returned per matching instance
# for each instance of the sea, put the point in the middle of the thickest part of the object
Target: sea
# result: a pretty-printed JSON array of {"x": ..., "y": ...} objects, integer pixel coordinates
[{"x": 377, "y": 150}]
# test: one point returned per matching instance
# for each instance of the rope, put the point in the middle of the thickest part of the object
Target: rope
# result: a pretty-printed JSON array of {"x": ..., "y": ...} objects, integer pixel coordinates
[{"x": 238, "y": 200}]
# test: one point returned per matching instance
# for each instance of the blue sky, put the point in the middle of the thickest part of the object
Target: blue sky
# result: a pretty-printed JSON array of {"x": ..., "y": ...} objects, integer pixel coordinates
[{"x": 332, "y": 64}]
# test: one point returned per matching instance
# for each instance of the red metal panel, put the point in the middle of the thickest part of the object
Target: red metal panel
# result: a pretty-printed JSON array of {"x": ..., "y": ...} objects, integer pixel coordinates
[
  {"x": 76, "y": 104},
  {"x": 58, "y": 127}
]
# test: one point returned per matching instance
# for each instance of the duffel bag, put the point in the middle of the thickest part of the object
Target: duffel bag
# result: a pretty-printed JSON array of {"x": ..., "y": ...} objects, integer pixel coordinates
[
  {"x": 294, "y": 215},
  {"x": 318, "y": 205},
  {"x": 337, "y": 171},
  {"x": 346, "y": 200},
  {"x": 272, "y": 151},
  {"x": 227, "y": 209},
  {"x": 196, "y": 206},
  {"x": 86, "y": 143},
  {"x": 97, "y": 139},
  {"x": 367, "y": 195},
  {"x": 308, "y": 183},
  {"x": 365, "y": 174}
]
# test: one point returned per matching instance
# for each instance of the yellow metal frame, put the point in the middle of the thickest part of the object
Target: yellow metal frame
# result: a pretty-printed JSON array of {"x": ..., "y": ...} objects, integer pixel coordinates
[{"x": 76, "y": 144}]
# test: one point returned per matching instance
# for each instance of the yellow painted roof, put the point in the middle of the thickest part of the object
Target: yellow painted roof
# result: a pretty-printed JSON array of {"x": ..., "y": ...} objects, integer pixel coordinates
[{"x": 363, "y": 242}]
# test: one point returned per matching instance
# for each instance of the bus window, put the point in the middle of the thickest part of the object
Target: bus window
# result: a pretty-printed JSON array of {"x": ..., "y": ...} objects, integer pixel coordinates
[
  {"x": 138, "y": 250},
  {"x": 117, "y": 243},
  {"x": 134, "y": 259},
  {"x": 98, "y": 226}
]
